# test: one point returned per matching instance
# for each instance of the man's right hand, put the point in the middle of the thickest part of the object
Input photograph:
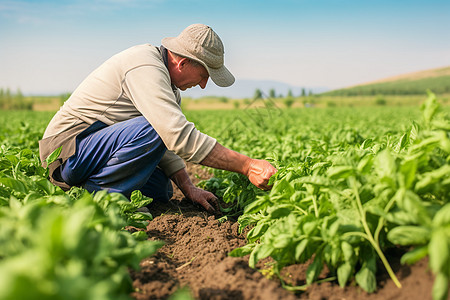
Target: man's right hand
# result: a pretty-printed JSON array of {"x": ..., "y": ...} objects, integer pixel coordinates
[{"x": 259, "y": 173}]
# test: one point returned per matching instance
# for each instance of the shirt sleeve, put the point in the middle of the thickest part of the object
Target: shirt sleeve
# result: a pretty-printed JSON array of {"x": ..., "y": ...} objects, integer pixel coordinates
[
  {"x": 149, "y": 88},
  {"x": 171, "y": 163}
]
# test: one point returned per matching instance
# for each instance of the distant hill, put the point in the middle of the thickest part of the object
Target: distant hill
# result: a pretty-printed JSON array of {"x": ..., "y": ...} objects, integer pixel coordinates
[
  {"x": 437, "y": 80},
  {"x": 244, "y": 88}
]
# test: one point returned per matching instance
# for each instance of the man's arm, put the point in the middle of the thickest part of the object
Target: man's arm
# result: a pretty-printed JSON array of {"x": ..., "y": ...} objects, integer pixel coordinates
[{"x": 258, "y": 171}]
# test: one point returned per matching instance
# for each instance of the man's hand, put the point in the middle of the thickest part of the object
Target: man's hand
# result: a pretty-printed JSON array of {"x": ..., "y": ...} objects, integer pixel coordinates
[
  {"x": 259, "y": 173},
  {"x": 202, "y": 197},
  {"x": 193, "y": 193}
]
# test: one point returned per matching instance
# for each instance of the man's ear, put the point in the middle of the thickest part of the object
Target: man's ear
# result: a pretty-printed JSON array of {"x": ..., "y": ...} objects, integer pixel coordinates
[{"x": 182, "y": 63}]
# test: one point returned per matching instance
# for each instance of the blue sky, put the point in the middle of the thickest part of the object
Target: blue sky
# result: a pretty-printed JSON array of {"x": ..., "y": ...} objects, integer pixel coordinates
[{"x": 48, "y": 47}]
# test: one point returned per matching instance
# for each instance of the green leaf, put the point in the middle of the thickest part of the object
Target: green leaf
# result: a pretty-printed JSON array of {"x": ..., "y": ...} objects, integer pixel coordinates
[
  {"x": 140, "y": 235},
  {"x": 242, "y": 251},
  {"x": 310, "y": 227},
  {"x": 414, "y": 255},
  {"x": 438, "y": 250},
  {"x": 53, "y": 156},
  {"x": 145, "y": 249},
  {"x": 300, "y": 248},
  {"x": 262, "y": 251},
  {"x": 409, "y": 201},
  {"x": 182, "y": 294},
  {"x": 252, "y": 260},
  {"x": 444, "y": 140},
  {"x": 366, "y": 279},
  {"x": 340, "y": 172},
  {"x": 336, "y": 254},
  {"x": 440, "y": 287},
  {"x": 257, "y": 231},
  {"x": 314, "y": 269},
  {"x": 442, "y": 217},
  {"x": 347, "y": 250},
  {"x": 257, "y": 205},
  {"x": 344, "y": 272},
  {"x": 279, "y": 212},
  {"x": 413, "y": 134},
  {"x": 141, "y": 216},
  {"x": 281, "y": 241},
  {"x": 404, "y": 140},
  {"x": 408, "y": 235},
  {"x": 139, "y": 200},
  {"x": 432, "y": 177},
  {"x": 47, "y": 186},
  {"x": 386, "y": 167},
  {"x": 365, "y": 164},
  {"x": 282, "y": 186},
  {"x": 408, "y": 170},
  {"x": 14, "y": 184},
  {"x": 430, "y": 107}
]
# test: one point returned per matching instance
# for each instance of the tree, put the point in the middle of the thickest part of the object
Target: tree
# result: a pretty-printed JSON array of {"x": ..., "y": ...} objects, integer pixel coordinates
[
  {"x": 7, "y": 99},
  {"x": 289, "y": 94},
  {"x": 258, "y": 94},
  {"x": 303, "y": 92},
  {"x": 272, "y": 93},
  {"x": 2, "y": 98}
]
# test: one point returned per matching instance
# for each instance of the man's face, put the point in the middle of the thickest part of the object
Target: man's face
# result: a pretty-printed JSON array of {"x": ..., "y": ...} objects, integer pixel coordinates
[{"x": 190, "y": 74}]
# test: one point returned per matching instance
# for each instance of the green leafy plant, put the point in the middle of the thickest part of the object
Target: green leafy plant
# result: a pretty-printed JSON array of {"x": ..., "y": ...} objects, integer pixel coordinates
[
  {"x": 345, "y": 194},
  {"x": 63, "y": 245}
]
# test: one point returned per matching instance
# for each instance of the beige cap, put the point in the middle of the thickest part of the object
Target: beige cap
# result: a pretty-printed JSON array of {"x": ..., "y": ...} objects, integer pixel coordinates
[{"x": 200, "y": 43}]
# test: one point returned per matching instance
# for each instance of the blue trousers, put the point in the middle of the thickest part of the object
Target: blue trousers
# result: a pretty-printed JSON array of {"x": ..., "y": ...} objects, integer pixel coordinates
[{"x": 120, "y": 158}]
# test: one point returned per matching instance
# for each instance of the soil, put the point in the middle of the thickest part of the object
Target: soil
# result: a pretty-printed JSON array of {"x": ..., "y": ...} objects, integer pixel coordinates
[{"x": 196, "y": 256}]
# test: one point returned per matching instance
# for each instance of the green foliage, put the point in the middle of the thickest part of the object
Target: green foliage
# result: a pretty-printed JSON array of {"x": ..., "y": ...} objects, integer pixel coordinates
[
  {"x": 350, "y": 184},
  {"x": 438, "y": 84},
  {"x": 13, "y": 101},
  {"x": 380, "y": 100},
  {"x": 288, "y": 101},
  {"x": 272, "y": 93},
  {"x": 257, "y": 94},
  {"x": 56, "y": 244}
]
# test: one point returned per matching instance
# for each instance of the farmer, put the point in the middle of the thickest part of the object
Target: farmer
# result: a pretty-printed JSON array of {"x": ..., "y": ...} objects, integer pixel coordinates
[{"x": 123, "y": 129}]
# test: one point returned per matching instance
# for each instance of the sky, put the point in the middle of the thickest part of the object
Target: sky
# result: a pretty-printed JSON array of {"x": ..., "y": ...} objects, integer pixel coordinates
[{"x": 50, "y": 46}]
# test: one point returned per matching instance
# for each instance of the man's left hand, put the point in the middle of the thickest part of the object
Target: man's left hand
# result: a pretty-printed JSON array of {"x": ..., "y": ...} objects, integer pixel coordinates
[{"x": 206, "y": 199}]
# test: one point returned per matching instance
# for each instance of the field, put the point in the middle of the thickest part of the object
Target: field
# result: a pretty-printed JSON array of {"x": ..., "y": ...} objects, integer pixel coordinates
[
  {"x": 405, "y": 84},
  {"x": 359, "y": 208}
]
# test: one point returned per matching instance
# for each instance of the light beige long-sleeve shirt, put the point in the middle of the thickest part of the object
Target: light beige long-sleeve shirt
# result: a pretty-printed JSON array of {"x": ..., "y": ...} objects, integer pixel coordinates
[{"x": 132, "y": 83}]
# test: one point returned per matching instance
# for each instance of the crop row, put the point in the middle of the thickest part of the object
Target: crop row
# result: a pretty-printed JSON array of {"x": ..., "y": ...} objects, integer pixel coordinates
[
  {"x": 56, "y": 244},
  {"x": 351, "y": 184}
]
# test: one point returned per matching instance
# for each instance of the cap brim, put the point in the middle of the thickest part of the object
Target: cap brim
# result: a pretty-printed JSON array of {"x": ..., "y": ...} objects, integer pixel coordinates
[{"x": 221, "y": 76}]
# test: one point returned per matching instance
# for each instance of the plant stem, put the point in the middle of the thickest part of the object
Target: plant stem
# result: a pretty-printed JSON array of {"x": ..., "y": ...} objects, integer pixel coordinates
[
  {"x": 370, "y": 238},
  {"x": 381, "y": 220},
  {"x": 316, "y": 211}
]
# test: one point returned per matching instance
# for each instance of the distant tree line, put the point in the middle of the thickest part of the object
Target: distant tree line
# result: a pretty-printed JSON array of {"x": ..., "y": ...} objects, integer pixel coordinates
[
  {"x": 14, "y": 101},
  {"x": 272, "y": 94},
  {"x": 439, "y": 85}
]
